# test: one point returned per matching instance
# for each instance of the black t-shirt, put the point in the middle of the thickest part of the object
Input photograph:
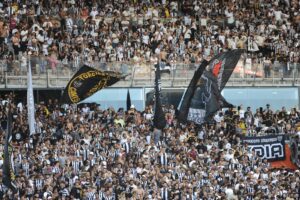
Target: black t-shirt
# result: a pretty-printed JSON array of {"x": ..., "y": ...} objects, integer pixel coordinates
[
  {"x": 18, "y": 136},
  {"x": 75, "y": 192},
  {"x": 104, "y": 119},
  {"x": 201, "y": 147},
  {"x": 282, "y": 115}
]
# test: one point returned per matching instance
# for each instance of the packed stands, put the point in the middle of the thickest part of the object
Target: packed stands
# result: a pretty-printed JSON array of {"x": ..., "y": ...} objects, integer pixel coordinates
[
  {"x": 65, "y": 34},
  {"x": 89, "y": 153}
]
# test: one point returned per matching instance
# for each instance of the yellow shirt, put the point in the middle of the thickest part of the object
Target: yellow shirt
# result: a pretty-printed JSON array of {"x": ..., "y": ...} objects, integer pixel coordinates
[
  {"x": 242, "y": 126},
  {"x": 119, "y": 121},
  {"x": 167, "y": 13}
]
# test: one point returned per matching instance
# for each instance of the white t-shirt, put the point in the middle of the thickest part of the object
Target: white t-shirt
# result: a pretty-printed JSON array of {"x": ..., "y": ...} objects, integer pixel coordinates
[
  {"x": 277, "y": 14},
  {"x": 174, "y": 5},
  {"x": 24, "y": 35},
  {"x": 230, "y": 17},
  {"x": 228, "y": 156},
  {"x": 20, "y": 106},
  {"x": 94, "y": 13},
  {"x": 145, "y": 39},
  {"x": 148, "y": 116},
  {"x": 85, "y": 109},
  {"x": 242, "y": 114},
  {"x": 203, "y": 21}
]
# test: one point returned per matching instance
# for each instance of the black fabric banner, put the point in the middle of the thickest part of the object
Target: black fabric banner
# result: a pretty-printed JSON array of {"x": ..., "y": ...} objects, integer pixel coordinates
[
  {"x": 8, "y": 174},
  {"x": 128, "y": 100},
  {"x": 86, "y": 82},
  {"x": 206, "y": 100},
  {"x": 186, "y": 100},
  {"x": 270, "y": 147},
  {"x": 223, "y": 65},
  {"x": 203, "y": 96},
  {"x": 159, "y": 120}
]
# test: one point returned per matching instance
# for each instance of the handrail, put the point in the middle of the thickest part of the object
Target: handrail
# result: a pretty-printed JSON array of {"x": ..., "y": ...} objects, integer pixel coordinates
[{"x": 141, "y": 74}]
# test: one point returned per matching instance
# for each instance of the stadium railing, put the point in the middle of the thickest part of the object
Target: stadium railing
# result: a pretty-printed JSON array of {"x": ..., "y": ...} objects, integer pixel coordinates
[{"x": 13, "y": 74}]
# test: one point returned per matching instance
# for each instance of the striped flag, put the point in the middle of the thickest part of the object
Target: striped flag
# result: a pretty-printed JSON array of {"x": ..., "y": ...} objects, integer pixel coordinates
[{"x": 30, "y": 101}]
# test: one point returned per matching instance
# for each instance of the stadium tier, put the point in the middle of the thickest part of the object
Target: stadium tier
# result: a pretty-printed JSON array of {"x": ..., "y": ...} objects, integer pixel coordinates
[{"x": 126, "y": 99}]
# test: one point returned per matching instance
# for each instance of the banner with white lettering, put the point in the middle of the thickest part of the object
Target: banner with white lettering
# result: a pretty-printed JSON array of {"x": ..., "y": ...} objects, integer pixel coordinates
[{"x": 267, "y": 147}]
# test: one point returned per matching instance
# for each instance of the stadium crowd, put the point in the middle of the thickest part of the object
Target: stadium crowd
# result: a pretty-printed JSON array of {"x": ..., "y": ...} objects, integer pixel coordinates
[
  {"x": 89, "y": 153},
  {"x": 70, "y": 32}
]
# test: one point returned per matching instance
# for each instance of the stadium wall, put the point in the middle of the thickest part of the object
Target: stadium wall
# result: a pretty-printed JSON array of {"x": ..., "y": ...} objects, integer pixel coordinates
[{"x": 254, "y": 97}]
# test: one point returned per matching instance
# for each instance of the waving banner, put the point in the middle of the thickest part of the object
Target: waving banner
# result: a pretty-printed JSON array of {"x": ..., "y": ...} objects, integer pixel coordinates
[
  {"x": 270, "y": 147},
  {"x": 203, "y": 97},
  {"x": 207, "y": 99},
  {"x": 86, "y": 82},
  {"x": 223, "y": 65},
  {"x": 188, "y": 95}
]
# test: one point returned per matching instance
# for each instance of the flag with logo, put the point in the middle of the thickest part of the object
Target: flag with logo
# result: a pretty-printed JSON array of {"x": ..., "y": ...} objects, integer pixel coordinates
[
  {"x": 159, "y": 120},
  {"x": 223, "y": 65},
  {"x": 203, "y": 97},
  {"x": 207, "y": 99},
  {"x": 86, "y": 82},
  {"x": 30, "y": 101},
  {"x": 8, "y": 163}
]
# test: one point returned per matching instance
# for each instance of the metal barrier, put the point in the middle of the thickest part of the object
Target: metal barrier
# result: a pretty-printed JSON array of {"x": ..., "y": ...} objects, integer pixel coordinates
[{"x": 51, "y": 73}]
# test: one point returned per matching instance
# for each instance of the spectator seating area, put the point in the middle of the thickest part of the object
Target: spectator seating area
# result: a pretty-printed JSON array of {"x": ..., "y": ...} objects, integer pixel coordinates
[{"x": 61, "y": 35}]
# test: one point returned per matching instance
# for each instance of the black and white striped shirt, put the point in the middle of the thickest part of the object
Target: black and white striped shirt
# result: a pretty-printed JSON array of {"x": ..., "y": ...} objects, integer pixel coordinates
[
  {"x": 91, "y": 196},
  {"x": 250, "y": 190},
  {"x": 76, "y": 165},
  {"x": 164, "y": 193},
  {"x": 101, "y": 195},
  {"x": 39, "y": 184},
  {"x": 26, "y": 167},
  {"x": 56, "y": 170},
  {"x": 127, "y": 146},
  {"x": 85, "y": 153},
  {"x": 101, "y": 158},
  {"x": 64, "y": 192},
  {"x": 180, "y": 175},
  {"x": 163, "y": 159}
]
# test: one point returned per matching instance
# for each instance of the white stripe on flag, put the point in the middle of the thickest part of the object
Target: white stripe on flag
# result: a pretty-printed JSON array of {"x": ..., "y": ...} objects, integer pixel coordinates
[{"x": 30, "y": 101}]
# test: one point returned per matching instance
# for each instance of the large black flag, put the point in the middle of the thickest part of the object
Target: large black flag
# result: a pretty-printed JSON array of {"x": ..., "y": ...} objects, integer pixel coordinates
[
  {"x": 203, "y": 97},
  {"x": 186, "y": 100},
  {"x": 223, "y": 65},
  {"x": 159, "y": 120},
  {"x": 128, "y": 100},
  {"x": 86, "y": 82},
  {"x": 8, "y": 174},
  {"x": 207, "y": 99}
]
